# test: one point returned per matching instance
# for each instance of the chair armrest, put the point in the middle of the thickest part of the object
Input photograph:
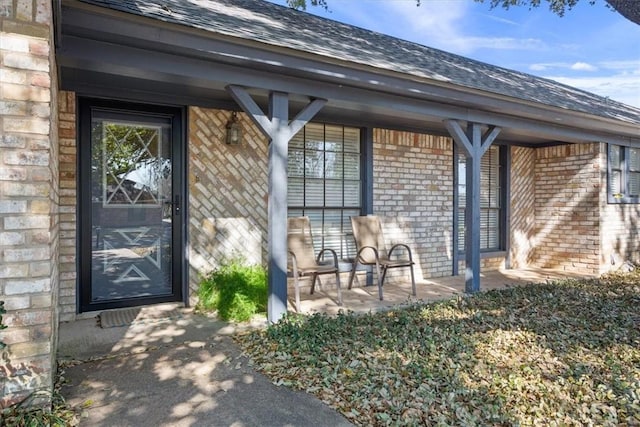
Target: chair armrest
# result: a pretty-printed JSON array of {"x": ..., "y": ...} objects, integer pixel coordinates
[
  {"x": 333, "y": 253},
  {"x": 294, "y": 263},
  {"x": 375, "y": 253},
  {"x": 400, "y": 245}
]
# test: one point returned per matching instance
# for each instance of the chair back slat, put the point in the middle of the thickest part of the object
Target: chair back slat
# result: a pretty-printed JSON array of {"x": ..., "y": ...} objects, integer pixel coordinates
[
  {"x": 367, "y": 231},
  {"x": 300, "y": 241}
]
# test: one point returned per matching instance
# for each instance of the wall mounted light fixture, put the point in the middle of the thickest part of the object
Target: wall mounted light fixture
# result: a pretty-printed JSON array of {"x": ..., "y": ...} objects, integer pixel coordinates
[{"x": 234, "y": 131}]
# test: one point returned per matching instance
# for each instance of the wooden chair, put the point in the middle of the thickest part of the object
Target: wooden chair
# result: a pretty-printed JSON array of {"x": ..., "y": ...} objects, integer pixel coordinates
[
  {"x": 371, "y": 250},
  {"x": 303, "y": 260}
]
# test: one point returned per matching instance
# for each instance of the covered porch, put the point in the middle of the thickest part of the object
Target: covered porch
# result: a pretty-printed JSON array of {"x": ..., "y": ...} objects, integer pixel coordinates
[{"x": 397, "y": 293}]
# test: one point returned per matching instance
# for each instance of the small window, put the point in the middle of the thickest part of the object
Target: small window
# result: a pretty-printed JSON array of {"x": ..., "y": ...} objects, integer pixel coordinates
[
  {"x": 325, "y": 183},
  {"x": 624, "y": 174}
]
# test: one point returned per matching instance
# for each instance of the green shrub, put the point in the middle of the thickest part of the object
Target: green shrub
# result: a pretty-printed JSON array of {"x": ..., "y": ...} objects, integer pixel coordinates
[{"x": 236, "y": 290}]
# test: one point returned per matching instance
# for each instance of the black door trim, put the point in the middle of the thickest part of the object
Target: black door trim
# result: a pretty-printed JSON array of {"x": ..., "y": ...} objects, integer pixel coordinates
[{"x": 177, "y": 116}]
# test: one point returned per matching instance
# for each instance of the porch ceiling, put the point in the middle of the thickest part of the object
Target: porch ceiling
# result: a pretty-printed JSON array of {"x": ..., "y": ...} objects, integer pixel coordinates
[{"x": 108, "y": 53}]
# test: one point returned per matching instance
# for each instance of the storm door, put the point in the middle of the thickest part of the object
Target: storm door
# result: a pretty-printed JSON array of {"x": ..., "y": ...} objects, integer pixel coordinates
[{"x": 130, "y": 204}]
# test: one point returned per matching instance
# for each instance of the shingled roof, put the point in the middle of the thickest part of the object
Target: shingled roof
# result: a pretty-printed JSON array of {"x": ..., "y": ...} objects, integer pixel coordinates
[{"x": 271, "y": 24}]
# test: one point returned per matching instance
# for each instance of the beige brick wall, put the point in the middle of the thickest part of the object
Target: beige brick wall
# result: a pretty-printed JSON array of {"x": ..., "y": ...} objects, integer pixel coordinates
[
  {"x": 228, "y": 193},
  {"x": 29, "y": 228},
  {"x": 522, "y": 205},
  {"x": 567, "y": 197},
  {"x": 413, "y": 191},
  {"x": 68, "y": 204},
  {"x": 619, "y": 226}
]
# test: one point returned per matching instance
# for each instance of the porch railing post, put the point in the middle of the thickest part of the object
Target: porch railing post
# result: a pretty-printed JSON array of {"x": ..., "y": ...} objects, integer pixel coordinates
[{"x": 277, "y": 127}]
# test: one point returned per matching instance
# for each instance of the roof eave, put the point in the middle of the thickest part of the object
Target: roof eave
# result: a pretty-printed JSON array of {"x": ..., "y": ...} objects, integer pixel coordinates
[{"x": 179, "y": 40}]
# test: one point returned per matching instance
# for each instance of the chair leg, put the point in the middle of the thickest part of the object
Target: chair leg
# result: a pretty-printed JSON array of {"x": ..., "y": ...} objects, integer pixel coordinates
[
  {"x": 338, "y": 286},
  {"x": 297, "y": 290},
  {"x": 413, "y": 281},
  {"x": 313, "y": 283},
  {"x": 352, "y": 273},
  {"x": 384, "y": 275},
  {"x": 380, "y": 278}
]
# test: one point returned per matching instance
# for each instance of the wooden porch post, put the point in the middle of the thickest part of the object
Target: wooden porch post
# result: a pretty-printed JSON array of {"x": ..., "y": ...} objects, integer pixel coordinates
[
  {"x": 474, "y": 144},
  {"x": 279, "y": 130}
]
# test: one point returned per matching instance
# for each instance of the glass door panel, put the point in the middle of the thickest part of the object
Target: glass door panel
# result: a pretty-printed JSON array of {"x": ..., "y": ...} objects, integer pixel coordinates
[{"x": 131, "y": 225}]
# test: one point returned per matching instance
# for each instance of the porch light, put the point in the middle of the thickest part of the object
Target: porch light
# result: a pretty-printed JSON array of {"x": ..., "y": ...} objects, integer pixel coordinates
[{"x": 234, "y": 131}]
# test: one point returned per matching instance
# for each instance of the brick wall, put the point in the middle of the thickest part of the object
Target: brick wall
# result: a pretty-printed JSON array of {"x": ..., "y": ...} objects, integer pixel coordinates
[
  {"x": 567, "y": 192},
  {"x": 28, "y": 198},
  {"x": 522, "y": 205},
  {"x": 68, "y": 204},
  {"x": 619, "y": 226},
  {"x": 228, "y": 193},
  {"x": 413, "y": 190}
]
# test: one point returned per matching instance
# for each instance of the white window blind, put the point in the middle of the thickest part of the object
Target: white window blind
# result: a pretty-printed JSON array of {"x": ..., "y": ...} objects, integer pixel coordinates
[
  {"x": 490, "y": 200},
  {"x": 624, "y": 174},
  {"x": 324, "y": 183}
]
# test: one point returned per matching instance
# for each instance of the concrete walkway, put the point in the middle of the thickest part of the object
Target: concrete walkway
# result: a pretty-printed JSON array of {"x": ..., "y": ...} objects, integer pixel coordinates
[
  {"x": 189, "y": 372},
  {"x": 184, "y": 372}
]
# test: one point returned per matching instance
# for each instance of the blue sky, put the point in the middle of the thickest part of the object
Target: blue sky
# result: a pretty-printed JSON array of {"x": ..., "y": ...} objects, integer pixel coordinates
[{"x": 591, "y": 47}]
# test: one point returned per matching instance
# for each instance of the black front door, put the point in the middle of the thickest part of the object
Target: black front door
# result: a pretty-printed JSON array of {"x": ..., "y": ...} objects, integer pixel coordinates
[{"x": 130, "y": 206}]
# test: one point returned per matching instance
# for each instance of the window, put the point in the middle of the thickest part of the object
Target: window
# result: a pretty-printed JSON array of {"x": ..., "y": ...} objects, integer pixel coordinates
[
  {"x": 491, "y": 199},
  {"x": 624, "y": 174},
  {"x": 325, "y": 184}
]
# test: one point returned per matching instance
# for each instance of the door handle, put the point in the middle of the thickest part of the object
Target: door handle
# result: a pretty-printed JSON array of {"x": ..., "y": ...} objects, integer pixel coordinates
[{"x": 176, "y": 204}]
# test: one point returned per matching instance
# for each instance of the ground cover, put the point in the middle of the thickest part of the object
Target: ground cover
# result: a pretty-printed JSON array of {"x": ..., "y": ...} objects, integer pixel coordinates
[{"x": 563, "y": 353}]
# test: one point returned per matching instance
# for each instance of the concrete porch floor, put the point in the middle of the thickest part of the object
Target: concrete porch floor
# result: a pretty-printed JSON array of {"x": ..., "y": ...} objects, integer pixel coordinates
[{"x": 365, "y": 299}]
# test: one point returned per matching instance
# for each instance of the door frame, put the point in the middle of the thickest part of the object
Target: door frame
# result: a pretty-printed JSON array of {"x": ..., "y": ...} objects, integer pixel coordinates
[{"x": 178, "y": 118}]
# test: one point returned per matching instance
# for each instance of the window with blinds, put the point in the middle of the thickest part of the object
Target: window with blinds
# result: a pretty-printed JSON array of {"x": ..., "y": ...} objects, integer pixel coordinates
[
  {"x": 624, "y": 174},
  {"x": 324, "y": 183},
  {"x": 490, "y": 200}
]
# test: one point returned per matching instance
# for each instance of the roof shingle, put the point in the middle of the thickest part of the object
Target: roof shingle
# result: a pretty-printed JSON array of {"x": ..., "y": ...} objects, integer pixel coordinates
[{"x": 275, "y": 25}]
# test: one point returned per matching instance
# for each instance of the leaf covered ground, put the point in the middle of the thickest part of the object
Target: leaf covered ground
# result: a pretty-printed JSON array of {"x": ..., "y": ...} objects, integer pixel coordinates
[{"x": 562, "y": 353}]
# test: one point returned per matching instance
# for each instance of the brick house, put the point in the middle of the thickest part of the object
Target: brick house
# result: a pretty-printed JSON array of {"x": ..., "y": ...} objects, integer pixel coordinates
[{"x": 120, "y": 181}]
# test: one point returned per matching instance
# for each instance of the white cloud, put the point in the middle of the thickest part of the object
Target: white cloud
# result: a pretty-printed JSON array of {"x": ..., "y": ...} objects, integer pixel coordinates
[
  {"x": 538, "y": 67},
  {"x": 583, "y": 66},
  {"x": 441, "y": 24},
  {"x": 501, "y": 20},
  {"x": 502, "y": 43},
  {"x": 632, "y": 65},
  {"x": 624, "y": 88}
]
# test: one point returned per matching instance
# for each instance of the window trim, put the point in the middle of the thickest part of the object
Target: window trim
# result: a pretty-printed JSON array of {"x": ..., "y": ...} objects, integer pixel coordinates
[
  {"x": 624, "y": 197},
  {"x": 504, "y": 158}
]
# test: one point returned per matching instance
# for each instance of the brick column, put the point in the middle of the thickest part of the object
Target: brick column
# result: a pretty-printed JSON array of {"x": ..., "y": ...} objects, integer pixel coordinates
[{"x": 28, "y": 198}]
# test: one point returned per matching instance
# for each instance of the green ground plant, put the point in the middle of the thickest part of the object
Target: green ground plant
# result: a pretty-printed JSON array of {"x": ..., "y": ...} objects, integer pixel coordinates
[
  {"x": 563, "y": 353},
  {"x": 235, "y": 290},
  {"x": 30, "y": 413},
  {"x": 2, "y": 325}
]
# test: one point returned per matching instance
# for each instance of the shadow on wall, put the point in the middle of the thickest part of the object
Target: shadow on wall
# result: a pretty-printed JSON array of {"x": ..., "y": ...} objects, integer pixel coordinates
[
  {"x": 219, "y": 239},
  {"x": 400, "y": 230},
  {"x": 628, "y": 245},
  {"x": 567, "y": 218}
]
